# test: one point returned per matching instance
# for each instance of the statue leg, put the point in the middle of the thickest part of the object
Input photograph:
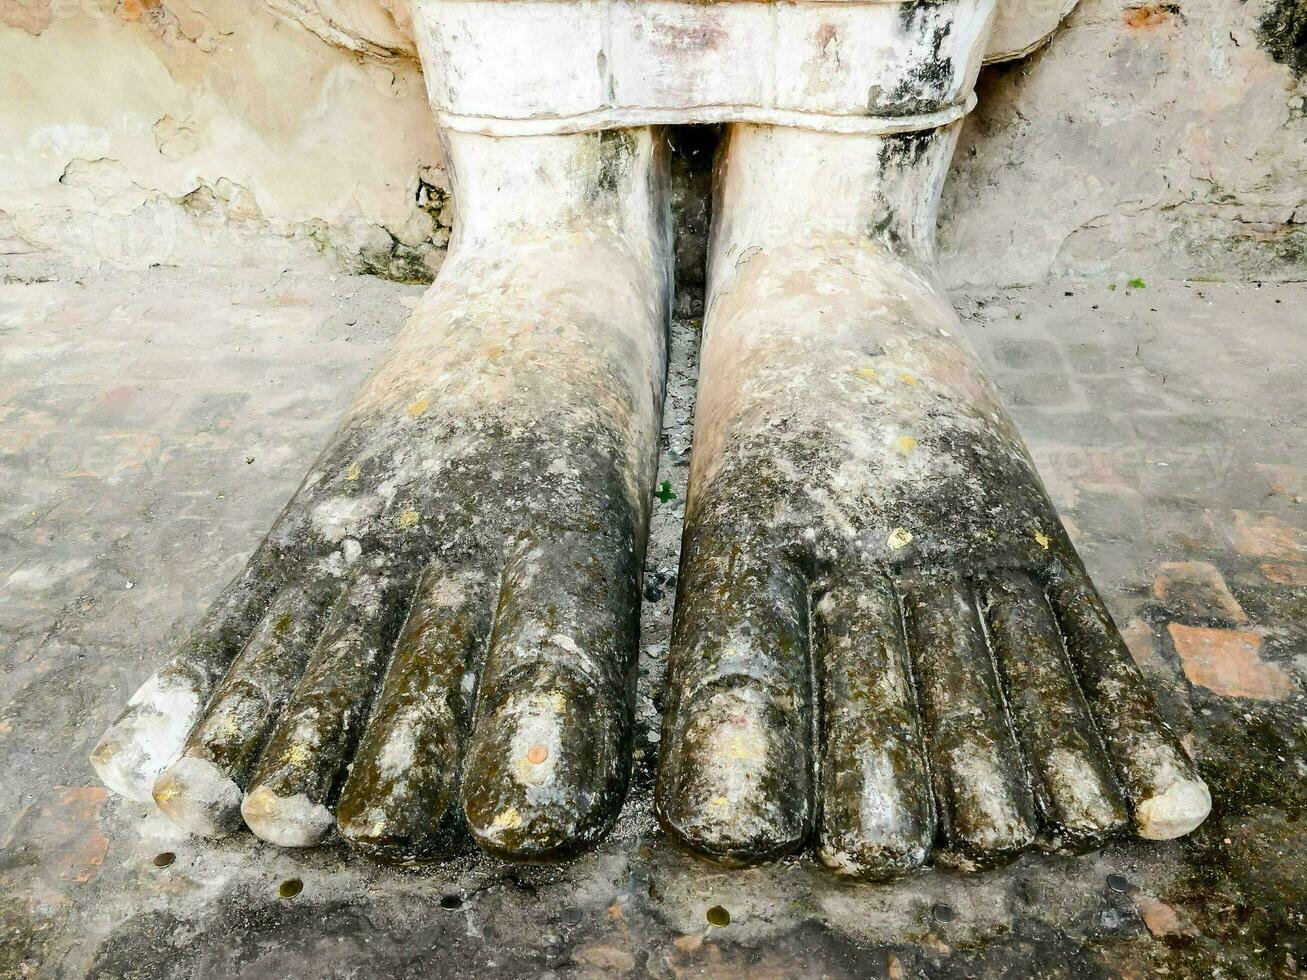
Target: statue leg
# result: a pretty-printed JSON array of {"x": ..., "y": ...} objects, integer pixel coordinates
[
  {"x": 885, "y": 644},
  {"x": 439, "y": 631}
]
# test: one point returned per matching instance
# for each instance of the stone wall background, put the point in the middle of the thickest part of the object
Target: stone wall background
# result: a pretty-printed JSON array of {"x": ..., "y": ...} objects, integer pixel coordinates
[
  {"x": 1159, "y": 140},
  {"x": 1163, "y": 140},
  {"x": 215, "y": 131}
]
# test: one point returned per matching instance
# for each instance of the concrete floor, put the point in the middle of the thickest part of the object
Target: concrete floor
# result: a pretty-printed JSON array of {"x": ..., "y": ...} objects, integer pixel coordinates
[{"x": 152, "y": 423}]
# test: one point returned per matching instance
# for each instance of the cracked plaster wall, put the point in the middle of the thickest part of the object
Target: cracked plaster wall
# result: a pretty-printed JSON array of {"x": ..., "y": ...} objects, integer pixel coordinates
[
  {"x": 136, "y": 132},
  {"x": 1143, "y": 140},
  {"x": 1166, "y": 140}
]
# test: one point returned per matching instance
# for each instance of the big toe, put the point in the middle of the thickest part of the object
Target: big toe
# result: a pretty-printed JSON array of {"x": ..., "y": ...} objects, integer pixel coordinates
[
  {"x": 735, "y": 786},
  {"x": 546, "y": 769},
  {"x": 149, "y": 734},
  {"x": 735, "y": 779}
]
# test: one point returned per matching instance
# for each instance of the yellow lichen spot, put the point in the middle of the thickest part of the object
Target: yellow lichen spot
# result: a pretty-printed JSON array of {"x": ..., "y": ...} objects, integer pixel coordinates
[
  {"x": 164, "y": 791},
  {"x": 1042, "y": 539},
  {"x": 297, "y": 755},
  {"x": 495, "y": 351},
  {"x": 408, "y": 519},
  {"x": 743, "y": 748},
  {"x": 905, "y": 444},
  {"x": 907, "y": 379},
  {"x": 868, "y": 374},
  {"x": 898, "y": 538},
  {"x": 510, "y": 819},
  {"x": 418, "y": 407},
  {"x": 719, "y": 803},
  {"x": 552, "y": 702},
  {"x": 354, "y": 472}
]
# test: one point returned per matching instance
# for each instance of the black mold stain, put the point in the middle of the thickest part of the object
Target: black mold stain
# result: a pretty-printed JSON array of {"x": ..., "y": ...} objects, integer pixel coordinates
[
  {"x": 927, "y": 84},
  {"x": 1283, "y": 32}
]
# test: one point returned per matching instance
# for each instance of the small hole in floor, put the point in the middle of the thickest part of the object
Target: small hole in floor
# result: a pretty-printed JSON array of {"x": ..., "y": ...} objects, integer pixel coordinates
[
  {"x": 451, "y": 902},
  {"x": 1118, "y": 883},
  {"x": 164, "y": 859},
  {"x": 718, "y": 916},
  {"x": 942, "y": 912},
  {"x": 290, "y": 888},
  {"x": 572, "y": 915}
]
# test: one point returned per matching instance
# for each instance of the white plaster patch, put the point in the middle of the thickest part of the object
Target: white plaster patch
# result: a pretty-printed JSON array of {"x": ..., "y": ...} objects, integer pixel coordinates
[
  {"x": 396, "y": 758},
  {"x": 537, "y": 740},
  {"x": 337, "y": 517},
  {"x": 149, "y": 736},
  {"x": 66, "y": 140}
]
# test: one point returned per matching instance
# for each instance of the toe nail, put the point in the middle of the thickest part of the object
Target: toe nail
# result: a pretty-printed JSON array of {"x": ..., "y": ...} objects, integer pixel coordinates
[
  {"x": 290, "y": 821},
  {"x": 1174, "y": 812}
]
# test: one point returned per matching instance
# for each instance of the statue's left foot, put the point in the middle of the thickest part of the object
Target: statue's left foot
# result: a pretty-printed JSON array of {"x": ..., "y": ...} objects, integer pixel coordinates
[
  {"x": 885, "y": 643},
  {"x": 437, "y": 638}
]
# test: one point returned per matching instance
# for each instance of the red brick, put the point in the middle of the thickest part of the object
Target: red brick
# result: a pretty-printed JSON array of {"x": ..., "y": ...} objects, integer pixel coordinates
[
  {"x": 1285, "y": 573},
  {"x": 1228, "y": 662},
  {"x": 1266, "y": 536},
  {"x": 1162, "y": 919}
]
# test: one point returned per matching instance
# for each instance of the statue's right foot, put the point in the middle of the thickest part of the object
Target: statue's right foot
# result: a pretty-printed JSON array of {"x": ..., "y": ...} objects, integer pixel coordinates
[
  {"x": 885, "y": 645},
  {"x": 439, "y": 631}
]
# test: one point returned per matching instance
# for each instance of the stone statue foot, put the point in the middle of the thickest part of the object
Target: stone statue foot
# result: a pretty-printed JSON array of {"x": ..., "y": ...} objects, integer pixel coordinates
[
  {"x": 439, "y": 631},
  {"x": 885, "y": 644}
]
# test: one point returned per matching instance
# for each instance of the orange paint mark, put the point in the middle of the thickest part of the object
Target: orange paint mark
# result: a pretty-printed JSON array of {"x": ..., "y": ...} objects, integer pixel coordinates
[
  {"x": 134, "y": 10},
  {"x": 1147, "y": 16}
]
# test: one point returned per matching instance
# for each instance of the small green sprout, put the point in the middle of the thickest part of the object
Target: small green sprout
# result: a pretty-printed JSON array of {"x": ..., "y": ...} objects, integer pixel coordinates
[
  {"x": 1137, "y": 283},
  {"x": 665, "y": 492}
]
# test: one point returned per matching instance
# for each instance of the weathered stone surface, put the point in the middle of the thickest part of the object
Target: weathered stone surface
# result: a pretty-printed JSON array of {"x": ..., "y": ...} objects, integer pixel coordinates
[
  {"x": 216, "y": 127},
  {"x": 848, "y": 446},
  {"x": 509, "y": 440},
  {"x": 235, "y": 365},
  {"x": 1141, "y": 641},
  {"x": 1164, "y": 88},
  {"x": 1285, "y": 573},
  {"x": 1197, "y": 588},
  {"x": 1268, "y": 536}
]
